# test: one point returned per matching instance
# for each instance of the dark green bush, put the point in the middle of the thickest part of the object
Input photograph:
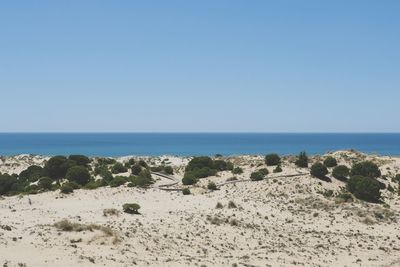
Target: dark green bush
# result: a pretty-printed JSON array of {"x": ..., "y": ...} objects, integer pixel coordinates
[
  {"x": 32, "y": 189},
  {"x": 222, "y": 165},
  {"x": 168, "y": 170},
  {"x": 364, "y": 188},
  {"x": 277, "y": 169},
  {"x": 78, "y": 174},
  {"x": 118, "y": 168},
  {"x": 131, "y": 208},
  {"x": 237, "y": 170},
  {"x": 212, "y": 186},
  {"x": 136, "y": 169},
  {"x": 31, "y": 174},
  {"x": 57, "y": 167},
  {"x": 302, "y": 160},
  {"x": 94, "y": 184},
  {"x": 257, "y": 176},
  {"x": 7, "y": 182},
  {"x": 189, "y": 179},
  {"x": 199, "y": 162},
  {"x": 106, "y": 175},
  {"x": 341, "y": 172},
  {"x": 118, "y": 181},
  {"x": 66, "y": 189},
  {"x": 143, "y": 164},
  {"x": 264, "y": 171},
  {"x": 330, "y": 162},
  {"x": 186, "y": 191},
  {"x": 272, "y": 159},
  {"x": 80, "y": 159},
  {"x": 319, "y": 170},
  {"x": 143, "y": 179},
  {"x": 45, "y": 183},
  {"x": 366, "y": 168},
  {"x": 73, "y": 184}
]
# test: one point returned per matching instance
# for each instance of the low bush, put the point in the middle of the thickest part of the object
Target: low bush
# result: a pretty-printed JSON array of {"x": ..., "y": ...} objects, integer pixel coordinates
[
  {"x": 257, "y": 176},
  {"x": 264, "y": 171},
  {"x": 237, "y": 170},
  {"x": 80, "y": 159},
  {"x": 341, "y": 172},
  {"x": 397, "y": 178},
  {"x": 66, "y": 189},
  {"x": 45, "y": 183},
  {"x": 302, "y": 160},
  {"x": 212, "y": 186},
  {"x": 118, "y": 168},
  {"x": 31, "y": 174},
  {"x": 277, "y": 169},
  {"x": 78, "y": 174},
  {"x": 272, "y": 159},
  {"x": 143, "y": 179},
  {"x": 319, "y": 170},
  {"x": 231, "y": 205},
  {"x": 31, "y": 189},
  {"x": 131, "y": 208},
  {"x": 7, "y": 183},
  {"x": 366, "y": 168},
  {"x": 186, "y": 191},
  {"x": 136, "y": 169},
  {"x": 189, "y": 179},
  {"x": 330, "y": 162},
  {"x": 364, "y": 188},
  {"x": 118, "y": 181}
]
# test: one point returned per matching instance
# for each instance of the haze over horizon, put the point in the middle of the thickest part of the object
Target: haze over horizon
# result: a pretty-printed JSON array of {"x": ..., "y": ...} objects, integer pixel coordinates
[{"x": 176, "y": 66}]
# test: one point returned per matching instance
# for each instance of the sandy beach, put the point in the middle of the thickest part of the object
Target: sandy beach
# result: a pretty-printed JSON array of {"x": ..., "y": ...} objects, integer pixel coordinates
[{"x": 287, "y": 219}]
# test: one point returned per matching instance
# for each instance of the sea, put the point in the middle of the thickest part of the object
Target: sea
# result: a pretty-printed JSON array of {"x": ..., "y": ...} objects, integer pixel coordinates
[{"x": 195, "y": 144}]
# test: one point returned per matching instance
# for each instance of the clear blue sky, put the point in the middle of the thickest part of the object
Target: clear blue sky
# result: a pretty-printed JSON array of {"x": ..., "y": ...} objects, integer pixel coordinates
[{"x": 264, "y": 66}]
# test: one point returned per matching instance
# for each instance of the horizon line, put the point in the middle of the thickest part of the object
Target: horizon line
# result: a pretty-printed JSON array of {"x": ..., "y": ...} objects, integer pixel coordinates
[{"x": 189, "y": 132}]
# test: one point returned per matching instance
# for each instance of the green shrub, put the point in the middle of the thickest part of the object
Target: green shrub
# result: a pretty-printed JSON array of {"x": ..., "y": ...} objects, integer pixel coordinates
[
  {"x": 131, "y": 208},
  {"x": 32, "y": 189},
  {"x": 189, "y": 179},
  {"x": 257, "y": 176},
  {"x": 302, "y": 160},
  {"x": 45, "y": 183},
  {"x": 143, "y": 179},
  {"x": 212, "y": 186},
  {"x": 186, "y": 191},
  {"x": 221, "y": 165},
  {"x": 237, "y": 170},
  {"x": 143, "y": 164},
  {"x": 7, "y": 182},
  {"x": 118, "y": 168},
  {"x": 277, "y": 169},
  {"x": 136, "y": 169},
  {"x": 106, "y": 175},
  {"x": 94, "y": 184},
  {"x": 57, "y": 167},
  {"x": 264, "y": 171},
  {"x": 330, "y": 162},
  {"x": 364, "y": 188},
  {"x": 73, "y": 184},
  {"x": 365, "y": 168},
  {"x": 168, "y": 170},
  {"x": 66, "y": 189},
  {"x": 341, "y": 172},
  {"x": 272, "y": 159},
  {"x": 80, "y": 159},
  {"x": 31, "y": 174},
  {"x": 78, "y": 174},
  {"x": 118, "y": 181},
  {"x": 199, "y": 162},
  {"x": 319, "y": 170}
]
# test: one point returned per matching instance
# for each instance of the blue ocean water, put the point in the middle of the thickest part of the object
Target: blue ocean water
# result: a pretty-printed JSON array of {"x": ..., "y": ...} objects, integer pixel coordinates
[{"x": 184, "y": 144}]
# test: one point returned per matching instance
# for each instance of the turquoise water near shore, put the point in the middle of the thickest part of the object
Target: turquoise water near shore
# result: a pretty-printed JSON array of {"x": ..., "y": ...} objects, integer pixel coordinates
[{"x": 188, "y": 144}]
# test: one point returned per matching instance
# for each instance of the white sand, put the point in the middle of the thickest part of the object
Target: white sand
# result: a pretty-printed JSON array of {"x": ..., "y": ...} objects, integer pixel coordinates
[{"x": 280, "y": 222}]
